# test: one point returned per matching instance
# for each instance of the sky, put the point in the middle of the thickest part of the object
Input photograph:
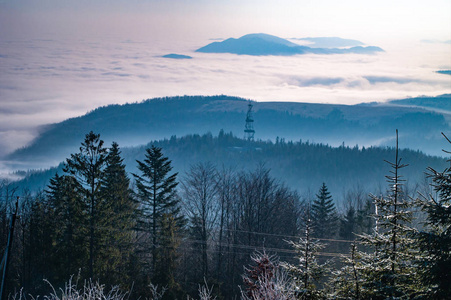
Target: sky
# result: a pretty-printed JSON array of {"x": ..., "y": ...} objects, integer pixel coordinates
[{"x": 61, "y": 58}]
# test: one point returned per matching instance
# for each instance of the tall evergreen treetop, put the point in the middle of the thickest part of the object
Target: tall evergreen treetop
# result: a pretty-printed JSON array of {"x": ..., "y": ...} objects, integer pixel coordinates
[
  {"x": 324, "y": 216},
  {"x": 156, "y": 191},
  {"x": 88, "y": 167},
  {"x": 115, "y": 186},
  {"x": 119, "y": 218},
  {"x": 156, "y": 187},
  {"x": 388, "y": 272},
  {"x": 115, "y": 176}
]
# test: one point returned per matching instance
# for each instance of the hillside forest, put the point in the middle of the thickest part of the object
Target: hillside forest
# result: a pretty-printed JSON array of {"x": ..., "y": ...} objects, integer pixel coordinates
[{"x": 218, "y": 232}]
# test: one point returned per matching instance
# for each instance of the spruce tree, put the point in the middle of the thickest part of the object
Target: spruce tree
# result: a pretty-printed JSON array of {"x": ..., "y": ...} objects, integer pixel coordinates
[
  {"x": 434, "y": 241},
  {"x": 387, "y": 271},
  {"x": 156, "y": 191},
  {"x": 365, "y": 220},
  {"x": 33, "y": 231},
  {"x": 68, "y": 228},
  {"x": 307, "y": 273},
  {"x": 324, "y": 216},
  {"x": 346, "y": 282},
  {"x": 88, "y": 167},
  {"x": 119, "y": 219},
  {"x": 348, "y": 224}
]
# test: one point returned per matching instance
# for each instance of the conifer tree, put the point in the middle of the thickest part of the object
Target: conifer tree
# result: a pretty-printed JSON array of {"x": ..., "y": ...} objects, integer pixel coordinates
[
  {"x": 434, "y": 241},
  {"x": 119, "y": 219},
  {"x": 29, "y": 267},
  {"x": 69, "y": 231},
  {"x": 346, "y": 282},
  {"x": 156, "y": 191},
  {"x": 88, "y": 167},
  {"x": 324, "y": 216},
  {"x": 307, "y": 273},
  {"x": 387, "y": 271},
  {"x": 348, "y": 225},
  {"x": 365, "y": 220}
]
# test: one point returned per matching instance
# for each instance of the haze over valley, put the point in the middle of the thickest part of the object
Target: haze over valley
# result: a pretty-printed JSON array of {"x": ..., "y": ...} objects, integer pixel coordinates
[
  {"x": 239, "y": 149},
  {"x": 331, "y": 83},
  {"x": 54, "y": 72}
]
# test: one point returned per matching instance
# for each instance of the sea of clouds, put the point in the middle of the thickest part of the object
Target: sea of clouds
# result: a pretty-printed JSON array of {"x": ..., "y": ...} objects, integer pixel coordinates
[{"x": 44, "y": 81}]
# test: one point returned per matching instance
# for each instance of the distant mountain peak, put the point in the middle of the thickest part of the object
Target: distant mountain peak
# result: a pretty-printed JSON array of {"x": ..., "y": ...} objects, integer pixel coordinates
[
  {"x": 268, "y": 38},
  {"x": 176, "y": 56},
  {"x": 265, "y": 44}
]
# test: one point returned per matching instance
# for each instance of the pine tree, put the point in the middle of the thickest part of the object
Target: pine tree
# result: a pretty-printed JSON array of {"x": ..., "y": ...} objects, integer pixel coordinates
[
  {"x": 365, "y": 220},
  {"x": 324, "y": 216},
  {"x": 119, "y": 219},
  {"x": 156, "y": 191},
  {"x": 434, "y": 241},
  {"x": 40, "y": 236},
  {"x": 88, "y": 167},
  {"x": 347, "y": 281},
  {"x": 388, "y": 272},
  {"x": 69, "y": 230},
  {"x": 348, "y": 225},
  {"x": 309, "y": 271}
]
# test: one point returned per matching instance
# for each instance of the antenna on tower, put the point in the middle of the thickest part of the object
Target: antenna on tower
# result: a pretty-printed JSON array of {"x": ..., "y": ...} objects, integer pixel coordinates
[{"x": 249, "y": 128}]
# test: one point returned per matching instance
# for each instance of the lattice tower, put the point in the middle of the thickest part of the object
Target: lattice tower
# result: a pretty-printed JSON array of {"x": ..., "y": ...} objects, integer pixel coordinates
[{"x": 249, "y": 127}]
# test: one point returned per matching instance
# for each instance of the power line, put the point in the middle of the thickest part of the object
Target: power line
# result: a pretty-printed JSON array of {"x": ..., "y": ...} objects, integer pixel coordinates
[
  {"x": 287, "y": 236},
  {"x": 249, "y": 247}
]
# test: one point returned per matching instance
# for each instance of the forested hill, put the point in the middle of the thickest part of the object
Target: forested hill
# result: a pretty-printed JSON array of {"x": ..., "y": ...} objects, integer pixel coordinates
[
  {"x": 302, "y": 166},
  {"x": 441, "y": 103},
  {"x": 138, "y": 123}
]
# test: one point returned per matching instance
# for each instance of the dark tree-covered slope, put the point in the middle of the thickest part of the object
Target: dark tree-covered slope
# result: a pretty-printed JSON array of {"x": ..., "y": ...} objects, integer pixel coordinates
[{"x": 138, "y": 123}]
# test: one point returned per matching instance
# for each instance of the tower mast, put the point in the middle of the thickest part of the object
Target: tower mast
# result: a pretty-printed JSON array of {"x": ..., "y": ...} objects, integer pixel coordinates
[{"x": 249, "y": 127}]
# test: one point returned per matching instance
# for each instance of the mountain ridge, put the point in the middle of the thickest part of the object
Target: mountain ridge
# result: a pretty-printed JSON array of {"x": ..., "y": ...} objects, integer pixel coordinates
[
  {"x": 137, "y": 123},
  {"x": 260, "y": 44}
]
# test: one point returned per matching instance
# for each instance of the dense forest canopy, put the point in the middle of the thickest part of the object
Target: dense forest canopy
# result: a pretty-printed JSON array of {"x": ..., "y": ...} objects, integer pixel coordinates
[
  {"x": 215, "y": 231},
  {"x": 303, "y": 166}
]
